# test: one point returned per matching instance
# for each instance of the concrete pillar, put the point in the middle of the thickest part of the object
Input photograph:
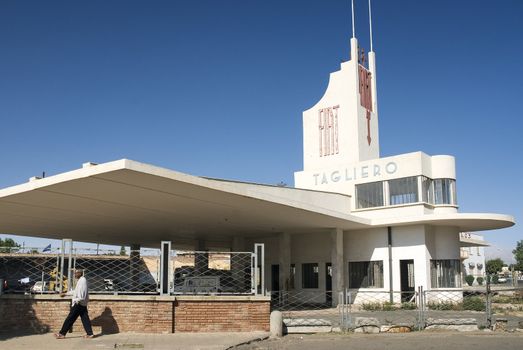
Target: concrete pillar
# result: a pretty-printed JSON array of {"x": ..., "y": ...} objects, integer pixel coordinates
[
  {"x": 284, "y": 260},
  {"x": 134, "y": 267},
  {"x": 201, "y": 259},
  {"x": 240, "y": 265},
  {"x": 338, "y": 266}
]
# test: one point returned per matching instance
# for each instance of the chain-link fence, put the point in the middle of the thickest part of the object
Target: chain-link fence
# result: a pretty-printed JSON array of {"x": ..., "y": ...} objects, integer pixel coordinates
[
  {"x": 113, "y": 271},
  {"x": 32, "y": 270},
  {"x": 465, "y": 308},
  {"x": 505, "y": 308},
  {"x": 496, "y": 307},
  {"x": 305, "y": 308},
  {"x": 377, "y": 309},
  {"x": 204, "y": 272},
  {"x": 107, "y": 272}
]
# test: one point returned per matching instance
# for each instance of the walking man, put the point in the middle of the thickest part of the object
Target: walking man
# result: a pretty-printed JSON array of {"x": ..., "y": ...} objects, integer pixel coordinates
[{"x": 78, "y": 308}]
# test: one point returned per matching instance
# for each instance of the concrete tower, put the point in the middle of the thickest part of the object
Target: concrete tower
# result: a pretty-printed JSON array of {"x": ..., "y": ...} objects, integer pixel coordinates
[{"x": 342, "y": 127}]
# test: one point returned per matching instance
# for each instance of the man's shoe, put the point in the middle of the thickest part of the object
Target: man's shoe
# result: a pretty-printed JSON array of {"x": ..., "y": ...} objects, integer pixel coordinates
[{"x": 59, "y": 336}]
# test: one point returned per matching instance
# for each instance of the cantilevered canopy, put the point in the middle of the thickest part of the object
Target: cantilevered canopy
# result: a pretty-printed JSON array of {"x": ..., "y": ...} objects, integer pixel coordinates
[{"x": 125, "y": 202}]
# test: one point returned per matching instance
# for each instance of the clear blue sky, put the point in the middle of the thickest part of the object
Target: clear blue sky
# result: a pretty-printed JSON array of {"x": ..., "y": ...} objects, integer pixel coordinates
[{"x": 217, "y": 88}]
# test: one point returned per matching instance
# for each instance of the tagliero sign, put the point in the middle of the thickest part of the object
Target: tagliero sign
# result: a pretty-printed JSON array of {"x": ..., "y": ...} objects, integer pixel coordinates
[{"x": 350, "y": 174}]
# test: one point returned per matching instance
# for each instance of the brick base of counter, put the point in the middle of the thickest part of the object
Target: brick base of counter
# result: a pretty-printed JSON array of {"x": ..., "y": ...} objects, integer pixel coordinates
[{"x": 113, "y": 314}]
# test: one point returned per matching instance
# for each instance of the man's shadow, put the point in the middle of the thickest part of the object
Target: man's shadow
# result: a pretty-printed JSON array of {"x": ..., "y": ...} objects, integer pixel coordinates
[{"x": 107, "y": 322}]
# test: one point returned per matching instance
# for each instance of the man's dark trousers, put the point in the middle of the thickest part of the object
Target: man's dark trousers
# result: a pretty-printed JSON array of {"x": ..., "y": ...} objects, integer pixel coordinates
[{"x": 77, "y": 310}]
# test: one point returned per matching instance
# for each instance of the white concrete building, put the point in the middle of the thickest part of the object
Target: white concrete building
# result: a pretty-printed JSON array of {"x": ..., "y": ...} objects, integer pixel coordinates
[
  {"x": 473, "y": 255},
  {"x": 353, "y": 221}
]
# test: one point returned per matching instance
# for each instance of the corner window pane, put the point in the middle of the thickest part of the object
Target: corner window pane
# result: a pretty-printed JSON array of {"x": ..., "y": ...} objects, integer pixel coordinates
[
  {"x": 444, "y": 191},
  {"x": 426, "y": 190}
]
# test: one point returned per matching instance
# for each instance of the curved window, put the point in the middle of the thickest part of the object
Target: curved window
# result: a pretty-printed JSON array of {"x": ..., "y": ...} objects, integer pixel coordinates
[
  {"x": 444, "y": 191},
  {"x": 406, "y": 190}
]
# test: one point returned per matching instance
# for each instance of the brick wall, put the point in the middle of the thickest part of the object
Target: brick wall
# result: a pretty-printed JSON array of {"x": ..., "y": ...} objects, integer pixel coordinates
[
  {"x": 221, "y": 316},
  {"x": 152, "y": 314}
]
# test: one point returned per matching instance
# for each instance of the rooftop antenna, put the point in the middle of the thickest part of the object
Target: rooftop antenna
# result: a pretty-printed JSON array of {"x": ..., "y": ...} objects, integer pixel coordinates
[
  {"x": 370, "y": 26},
  {"x": 353, "y": 30}
]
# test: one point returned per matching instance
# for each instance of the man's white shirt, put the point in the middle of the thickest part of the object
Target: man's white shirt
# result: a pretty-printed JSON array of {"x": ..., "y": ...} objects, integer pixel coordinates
[{"x": 80, "y": 293}]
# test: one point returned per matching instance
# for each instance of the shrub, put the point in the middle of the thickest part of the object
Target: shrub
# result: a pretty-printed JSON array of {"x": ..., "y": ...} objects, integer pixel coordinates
[
  {"x": 469, "y": 279},
  {"x": 480, "y": 280},
  {"x": 495, "y": 279},
  {"x": 388, "y": 306},
  {"x": 445, "y": 305},
  {"x": 473, "y": 303},
  {"x": 408, "y": 306},
  {"x": 371, "y": 306}
]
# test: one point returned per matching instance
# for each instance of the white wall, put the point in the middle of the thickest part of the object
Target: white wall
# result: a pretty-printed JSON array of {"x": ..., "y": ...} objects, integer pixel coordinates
[{"x": 408, "y": 242}]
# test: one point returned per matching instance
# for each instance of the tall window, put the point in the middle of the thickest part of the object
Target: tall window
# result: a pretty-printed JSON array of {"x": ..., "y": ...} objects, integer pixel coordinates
[
  {"x": 309, "y": 275},
  {"x": 444, "y": 191},
  {"x": 292, "y": 276},
  {"x": 369, "y": 195},
  {"x": 404, "y": 190},
  {"x": 366, "y": 274},
  {"x": 445, "y": 273}
]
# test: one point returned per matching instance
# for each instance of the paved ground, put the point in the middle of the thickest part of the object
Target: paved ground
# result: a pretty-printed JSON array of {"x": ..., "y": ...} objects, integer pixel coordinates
[
  {"x": 126, "y": 341},
  {"x": 407, "y": 341},
  {"x": 480, "y": 340}
]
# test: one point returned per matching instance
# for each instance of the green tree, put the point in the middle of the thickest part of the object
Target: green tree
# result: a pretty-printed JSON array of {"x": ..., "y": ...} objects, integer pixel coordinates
[
  {"x": 518, "y": 255},
  {"x": 122, "y": 251},
  {"x": 7, "y": 244},
  {"x": 494, "y": 266}
]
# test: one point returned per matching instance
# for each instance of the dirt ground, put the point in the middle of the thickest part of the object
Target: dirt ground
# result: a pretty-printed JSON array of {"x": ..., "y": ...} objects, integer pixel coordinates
[{"x": 408, "y": 341}]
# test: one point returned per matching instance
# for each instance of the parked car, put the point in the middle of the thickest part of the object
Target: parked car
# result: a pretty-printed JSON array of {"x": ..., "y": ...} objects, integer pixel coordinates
[
  {"x": 40, "y": 287},
  {"x": 502, "y": 280}
]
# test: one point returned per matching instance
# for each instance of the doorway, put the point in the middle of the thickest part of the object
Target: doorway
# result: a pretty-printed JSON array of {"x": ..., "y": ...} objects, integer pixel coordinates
[
  {"x": 275, "y": 278},
  {"x": 328, "y": 283},
  {"x": 407, "y": 280}
]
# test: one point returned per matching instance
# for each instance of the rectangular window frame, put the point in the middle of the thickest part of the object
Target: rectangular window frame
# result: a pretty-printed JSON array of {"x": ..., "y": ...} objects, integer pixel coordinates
[
  {"x": 370, "y": 195},
  {"x": 403, "y": 190},
  {"x": 366, "y": 274},
  {"x": 445, "y": 273}
]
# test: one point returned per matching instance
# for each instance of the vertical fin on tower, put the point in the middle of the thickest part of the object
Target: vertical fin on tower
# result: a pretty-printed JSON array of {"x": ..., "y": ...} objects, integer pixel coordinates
[{"x": 372, "y": 64}]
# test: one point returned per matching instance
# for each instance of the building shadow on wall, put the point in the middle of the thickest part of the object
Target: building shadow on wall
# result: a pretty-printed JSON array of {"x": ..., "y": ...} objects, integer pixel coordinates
[
  {"x": 19, "y": 318},
  {"x": 107, "y": 322}
]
